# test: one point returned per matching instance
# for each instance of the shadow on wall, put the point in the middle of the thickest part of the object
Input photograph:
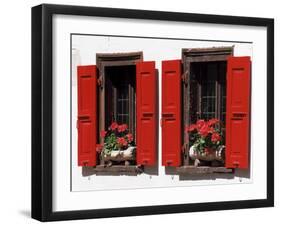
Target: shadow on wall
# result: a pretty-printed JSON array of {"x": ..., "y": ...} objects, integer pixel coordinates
[
  {"x": 208, "y": 176},
  {"x": 88, "y": 171},
  {"x": 25, "y": 213}
]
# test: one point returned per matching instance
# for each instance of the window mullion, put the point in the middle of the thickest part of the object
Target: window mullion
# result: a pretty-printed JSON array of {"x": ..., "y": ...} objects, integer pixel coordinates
[
  {"x": 200, "y": 94},
  {"x": 218, "y": 96}
]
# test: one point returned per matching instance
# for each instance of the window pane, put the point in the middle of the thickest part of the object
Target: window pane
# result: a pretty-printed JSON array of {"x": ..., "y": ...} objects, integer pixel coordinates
[
  {"x": 120, "y": 96},
  {"x": 122, "y": 110},
  {"x": 208, "y": 90}
]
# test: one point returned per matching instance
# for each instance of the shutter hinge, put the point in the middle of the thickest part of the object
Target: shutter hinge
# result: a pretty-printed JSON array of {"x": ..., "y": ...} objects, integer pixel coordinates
[
  {"x": 183, "y": 148},
  {"x": 184, "y": 77},
  {"x": 99, "y": 81}
]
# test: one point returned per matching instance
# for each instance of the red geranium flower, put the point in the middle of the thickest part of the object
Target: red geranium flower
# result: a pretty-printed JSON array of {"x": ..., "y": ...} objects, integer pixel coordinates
[
  {"x": 99, "y": 148},
  {"x": 211, "y": 130},
  {"x": 200, "y": 123},
  {"x": 213, "y": 121},
  {"x": 191, "y": 128},
  {"x": 130, "y": 137},
  {"x": 122, "y": 128},
  {"x": 122, "y": 141},
  {"x": 114, "y": 126},
  {"x": 215, "y": 137},
  {"x": 204, "y": 130},
  {"x": 103, "y": 133}
]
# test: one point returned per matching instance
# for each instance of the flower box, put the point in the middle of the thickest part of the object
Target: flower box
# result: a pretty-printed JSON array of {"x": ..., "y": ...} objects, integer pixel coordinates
[
  {"x": 128, "y": 154},
  {"x": 209, "y": 154},
  {"x": 118, "y": 146}
]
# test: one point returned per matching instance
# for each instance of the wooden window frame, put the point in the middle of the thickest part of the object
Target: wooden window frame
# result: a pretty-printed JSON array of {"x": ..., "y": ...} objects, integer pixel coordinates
[
  {"x": 111, "y": 59},
  {"x": 191, "y": 55},
  {"x": 106, "y": 60}
]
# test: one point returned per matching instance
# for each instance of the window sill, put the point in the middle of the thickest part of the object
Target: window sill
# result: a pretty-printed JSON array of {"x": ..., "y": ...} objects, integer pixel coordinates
[
  {"x": 202, "y": 170},
  {"x": 120, "y": 169}
]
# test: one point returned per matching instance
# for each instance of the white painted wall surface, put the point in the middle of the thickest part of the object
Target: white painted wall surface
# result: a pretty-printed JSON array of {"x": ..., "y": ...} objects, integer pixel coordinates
[
  {"x": 84, "y": 49},
  {"x": 151, "y": 192}
]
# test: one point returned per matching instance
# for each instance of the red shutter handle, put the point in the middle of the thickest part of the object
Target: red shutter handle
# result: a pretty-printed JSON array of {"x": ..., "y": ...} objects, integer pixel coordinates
[
  {"x": 168, "y": 115},
  {"x": 239, "y": 114},
  {"x": 83, "y": 117},
  {"x": 147, "y": 114}
]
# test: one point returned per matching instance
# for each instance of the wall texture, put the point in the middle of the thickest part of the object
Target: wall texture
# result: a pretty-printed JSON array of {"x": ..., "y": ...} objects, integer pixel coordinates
[{"x": 84, "y": 53}]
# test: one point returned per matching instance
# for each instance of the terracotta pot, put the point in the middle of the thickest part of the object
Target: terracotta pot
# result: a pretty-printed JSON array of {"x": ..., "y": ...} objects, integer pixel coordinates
[{"x": 208, "y": 155}]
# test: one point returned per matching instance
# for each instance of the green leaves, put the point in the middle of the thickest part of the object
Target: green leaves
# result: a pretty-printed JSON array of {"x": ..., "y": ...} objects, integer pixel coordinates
[
  {"x": 111, "y": 142},
  {"x": 205, "y": 134},
  {"x": 117, "y": 137}
]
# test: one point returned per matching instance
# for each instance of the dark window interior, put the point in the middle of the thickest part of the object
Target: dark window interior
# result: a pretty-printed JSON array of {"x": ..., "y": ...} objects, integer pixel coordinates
[
  {"x": 120, "y": 97},
  {"x": 207, "y": 97}
]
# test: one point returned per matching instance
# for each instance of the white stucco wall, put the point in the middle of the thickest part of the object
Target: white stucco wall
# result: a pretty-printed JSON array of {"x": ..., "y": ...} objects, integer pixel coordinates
[{"x": 84, "y": 49}]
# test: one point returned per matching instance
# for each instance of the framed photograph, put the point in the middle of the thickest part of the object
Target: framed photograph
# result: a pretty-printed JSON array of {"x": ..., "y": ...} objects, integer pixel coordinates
[{"x": 146, "y": 112}]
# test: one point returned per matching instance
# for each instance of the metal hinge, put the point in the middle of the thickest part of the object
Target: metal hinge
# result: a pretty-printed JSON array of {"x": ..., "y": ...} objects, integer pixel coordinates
[
  {"x": 99, "y": 81},
  {"x": 184, "y": 77},
  {"x": 183, "y": 148}
]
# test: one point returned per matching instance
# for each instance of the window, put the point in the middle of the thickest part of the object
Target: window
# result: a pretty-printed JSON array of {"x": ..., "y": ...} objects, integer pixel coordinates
[
  {"x": 205, "y": 90},
  {"x": 121, "y": 88},
  {"x": 206, "y": 83},
  {"x": 117, "y": 91},
  {"x": 120, "y": 96},
  {"x": 207, "y": 93},
  {"x": 206, "y": 75}
]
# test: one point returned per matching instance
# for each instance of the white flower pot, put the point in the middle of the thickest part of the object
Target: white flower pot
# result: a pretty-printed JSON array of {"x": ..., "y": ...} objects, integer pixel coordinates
[
  {"x": 120, "y": 155},
  {"x": 217, "y": 154}
]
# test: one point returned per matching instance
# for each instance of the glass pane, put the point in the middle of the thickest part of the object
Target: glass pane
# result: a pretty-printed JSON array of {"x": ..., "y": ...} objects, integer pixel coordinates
[
  {"x": 222, "y": 82},
  {"x": 122, "y": 110},
  {"x": 120, "y": 96},
  {"x": 208, "y": 90}
]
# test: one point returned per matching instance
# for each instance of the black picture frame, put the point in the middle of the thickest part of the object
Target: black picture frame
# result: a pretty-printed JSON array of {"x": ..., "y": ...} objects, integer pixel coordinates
[{"x": 42, "y": 111}]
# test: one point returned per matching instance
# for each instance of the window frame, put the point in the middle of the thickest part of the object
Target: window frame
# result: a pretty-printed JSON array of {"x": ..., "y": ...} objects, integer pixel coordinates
[
  {"x": 106, "y": 60},
  {"x": 191, "y": 55}
]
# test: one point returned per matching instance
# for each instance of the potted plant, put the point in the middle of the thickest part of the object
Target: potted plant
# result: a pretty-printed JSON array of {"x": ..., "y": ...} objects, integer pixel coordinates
[
  {"x": 118, "y": 145},
  {"x": 206, "y": 141}
]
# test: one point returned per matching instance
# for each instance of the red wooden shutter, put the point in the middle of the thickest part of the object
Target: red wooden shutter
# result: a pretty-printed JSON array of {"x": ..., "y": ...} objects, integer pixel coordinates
[
  {"x": 87, "y": 118},
  {"x": 238, "y": 112},
  {"x": 171, "y": 113},
  {"x": 146, "y": 113}
]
